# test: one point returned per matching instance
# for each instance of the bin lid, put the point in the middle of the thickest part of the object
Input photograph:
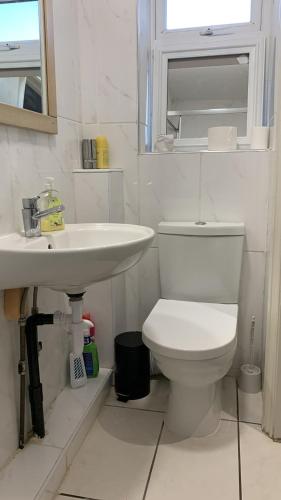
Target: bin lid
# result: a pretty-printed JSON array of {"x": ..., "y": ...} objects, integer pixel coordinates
[{"x": 129, "y": 339}]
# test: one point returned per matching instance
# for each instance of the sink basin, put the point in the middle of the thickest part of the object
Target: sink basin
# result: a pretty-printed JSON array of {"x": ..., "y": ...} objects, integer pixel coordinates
[{"x": 73, "y": 259}]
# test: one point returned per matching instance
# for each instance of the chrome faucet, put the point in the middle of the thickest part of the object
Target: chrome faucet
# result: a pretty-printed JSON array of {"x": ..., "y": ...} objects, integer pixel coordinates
[{"x": 32, "y": 216}]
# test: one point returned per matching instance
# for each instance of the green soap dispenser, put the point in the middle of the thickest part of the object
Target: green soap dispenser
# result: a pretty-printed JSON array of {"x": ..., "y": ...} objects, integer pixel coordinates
[
  {"x": 49, "y": 198},
  {"x": 90, "y": 351}
]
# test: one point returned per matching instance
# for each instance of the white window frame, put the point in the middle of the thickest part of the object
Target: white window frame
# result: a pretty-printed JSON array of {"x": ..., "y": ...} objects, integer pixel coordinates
[
  {"x": 256, "y": 51},
  {"x": 27, "y": 55},
  {"x": 161, "y": 32}
]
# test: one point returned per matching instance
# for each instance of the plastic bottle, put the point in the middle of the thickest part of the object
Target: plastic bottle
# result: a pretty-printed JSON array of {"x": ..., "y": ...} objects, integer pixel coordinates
[
  {"x": 49, "y": 198},
  {"x": 90, "y": 351},
  {"x": 88, "y": 316},
  {"x": 102, "y": 152}
]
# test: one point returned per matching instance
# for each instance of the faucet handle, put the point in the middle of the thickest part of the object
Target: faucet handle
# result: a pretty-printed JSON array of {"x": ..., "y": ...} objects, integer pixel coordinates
[{"x": 30, "y": 203}]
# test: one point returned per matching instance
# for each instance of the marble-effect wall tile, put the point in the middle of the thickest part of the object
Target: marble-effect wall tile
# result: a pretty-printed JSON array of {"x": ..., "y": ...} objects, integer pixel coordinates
[
  {"x": 235, "y": 189},
  {"x": 66, "y": 41},
  {"x": 149, "y": 283},
  {"x": 251, "y": 304},
  {"x": 117, "y": 60},
  {"x": 6, "y": 189},
  {"x": 169, "y": 188},
  {"x": 27, "y": 157},
  {"x": 8, "y": 393},
  {"x": 89, "y": 68},
  {"x": 91, "y": 196}
]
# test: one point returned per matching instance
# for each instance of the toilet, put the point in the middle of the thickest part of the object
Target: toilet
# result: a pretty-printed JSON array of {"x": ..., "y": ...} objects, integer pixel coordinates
[{"x": 191, "y": 331}]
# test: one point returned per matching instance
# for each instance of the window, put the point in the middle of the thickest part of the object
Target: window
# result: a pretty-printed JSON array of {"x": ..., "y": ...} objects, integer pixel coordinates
[
  {"x": 180, "y": 19},
  {"x": 19, "y": 21},
  {"x": 207, "y": 92},
  {"x": 208, "y": 69},
  {"x": 192, "y": 14}
]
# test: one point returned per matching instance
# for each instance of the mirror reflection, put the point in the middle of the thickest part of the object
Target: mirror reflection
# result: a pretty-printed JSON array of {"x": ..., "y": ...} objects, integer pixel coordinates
[
  {"x": 207, "y": 92},
  {"x": 21, "y": 72}
]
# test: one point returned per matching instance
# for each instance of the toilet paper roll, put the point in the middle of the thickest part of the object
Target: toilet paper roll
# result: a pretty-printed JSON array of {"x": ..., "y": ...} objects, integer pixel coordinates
[
  {"x": 259, "y": 139},
  {"x": 222, "y": 138}
]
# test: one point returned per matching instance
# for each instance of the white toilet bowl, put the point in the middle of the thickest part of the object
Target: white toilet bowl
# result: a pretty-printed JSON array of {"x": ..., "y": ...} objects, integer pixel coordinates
[{"x": 194, "y": 344}]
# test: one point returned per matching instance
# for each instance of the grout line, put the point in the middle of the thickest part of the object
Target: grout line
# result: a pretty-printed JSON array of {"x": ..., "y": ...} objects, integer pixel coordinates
[
  {"x": 239, "y": 447},
  {"x": 60, "y": 117},
  {"x": 229, "y": 420},
  {"x": 130, "y": 408},
  {"x": 249, "y": 422},
  {"x": 153, "y": 461},
  {"x": 68, "y": 495}
]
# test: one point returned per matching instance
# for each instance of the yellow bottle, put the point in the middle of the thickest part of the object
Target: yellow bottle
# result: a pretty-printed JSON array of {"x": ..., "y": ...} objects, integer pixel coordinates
[
  {"x": 48, "y": 199},
  {"x": 102, "y": 152}
]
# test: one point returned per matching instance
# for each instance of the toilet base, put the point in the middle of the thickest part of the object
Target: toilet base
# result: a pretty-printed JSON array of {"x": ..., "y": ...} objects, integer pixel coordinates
[{"x": 193, "y": 411}]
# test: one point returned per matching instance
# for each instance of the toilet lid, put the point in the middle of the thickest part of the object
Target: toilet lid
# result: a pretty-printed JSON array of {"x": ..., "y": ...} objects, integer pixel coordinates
[{"x": 191, "y": 330}]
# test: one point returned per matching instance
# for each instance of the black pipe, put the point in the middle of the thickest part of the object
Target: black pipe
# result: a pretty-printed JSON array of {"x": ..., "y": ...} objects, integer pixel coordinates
[
  {"x": 35, "y": 386},
  {"x": 21, "y": 368}
]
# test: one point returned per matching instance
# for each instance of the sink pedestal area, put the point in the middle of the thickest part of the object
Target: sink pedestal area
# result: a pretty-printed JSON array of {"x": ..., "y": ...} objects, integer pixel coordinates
[{"x": 68, "y": 261}]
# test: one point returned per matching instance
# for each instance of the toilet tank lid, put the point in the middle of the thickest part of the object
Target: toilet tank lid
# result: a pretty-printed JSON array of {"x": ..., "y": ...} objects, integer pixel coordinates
[{"x": 202, "y": 228}]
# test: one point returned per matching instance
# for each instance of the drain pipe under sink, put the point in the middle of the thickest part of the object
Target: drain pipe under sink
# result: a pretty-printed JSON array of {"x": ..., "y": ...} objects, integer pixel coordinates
[{"x": 35, "y": 386}]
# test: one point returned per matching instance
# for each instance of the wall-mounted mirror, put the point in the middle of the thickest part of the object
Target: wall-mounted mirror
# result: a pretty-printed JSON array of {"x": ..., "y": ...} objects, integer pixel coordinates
[{"x": 27, "y": 72}]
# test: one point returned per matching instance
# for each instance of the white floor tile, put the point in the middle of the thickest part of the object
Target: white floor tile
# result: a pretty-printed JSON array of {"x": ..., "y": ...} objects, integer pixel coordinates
[
  {"x": 250, "y": 407},
  {"x": 34, "y": 461},
  {"x": 260, "y": 464},
  {"x": 229, "y": 399},
  {"x": 197, "y": 468},
  {"x": 157, "y": 400},
  {"x": 159, "y": 396},
  {"x": 115, "y": 459},
  {"x": 69, "y": 408}
]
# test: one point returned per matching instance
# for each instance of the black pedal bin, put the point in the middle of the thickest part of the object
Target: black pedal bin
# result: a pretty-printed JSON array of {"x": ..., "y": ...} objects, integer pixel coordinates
[{"x": 132, "y": 367}]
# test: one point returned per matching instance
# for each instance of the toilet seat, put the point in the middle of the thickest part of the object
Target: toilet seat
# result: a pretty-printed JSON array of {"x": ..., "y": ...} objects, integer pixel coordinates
[{"x": 191, "y": 330}]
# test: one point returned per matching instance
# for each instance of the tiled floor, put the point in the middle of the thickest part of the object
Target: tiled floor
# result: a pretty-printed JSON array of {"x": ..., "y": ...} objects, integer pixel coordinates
[{"x": 130, "y": 455}]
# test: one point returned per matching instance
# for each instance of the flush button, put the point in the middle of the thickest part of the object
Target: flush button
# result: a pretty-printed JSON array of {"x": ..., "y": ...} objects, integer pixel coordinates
[{"x": 200, "y": 223}]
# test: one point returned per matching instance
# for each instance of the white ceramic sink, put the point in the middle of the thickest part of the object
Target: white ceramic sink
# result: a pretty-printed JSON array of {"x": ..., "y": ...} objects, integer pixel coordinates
[{"x": 72, "y": 259}]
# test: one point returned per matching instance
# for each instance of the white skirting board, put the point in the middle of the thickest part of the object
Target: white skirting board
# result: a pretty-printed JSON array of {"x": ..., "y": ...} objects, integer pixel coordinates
[{"x": 36, "y": 472}]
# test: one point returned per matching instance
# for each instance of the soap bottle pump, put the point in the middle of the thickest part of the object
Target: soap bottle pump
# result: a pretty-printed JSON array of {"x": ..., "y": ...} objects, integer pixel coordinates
[{"x": 49, "y": 198}]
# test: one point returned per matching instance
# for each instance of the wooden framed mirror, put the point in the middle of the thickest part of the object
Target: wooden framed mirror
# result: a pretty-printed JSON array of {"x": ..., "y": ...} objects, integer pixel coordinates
[{"x": 27, "y": 65}]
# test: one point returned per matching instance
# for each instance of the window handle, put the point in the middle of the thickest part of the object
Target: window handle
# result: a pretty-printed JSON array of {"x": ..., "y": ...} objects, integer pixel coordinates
[
  {"x": 210, "y": 32},
  {"x": 9, "y": 46},
  {"x": 207, "y": 32}
]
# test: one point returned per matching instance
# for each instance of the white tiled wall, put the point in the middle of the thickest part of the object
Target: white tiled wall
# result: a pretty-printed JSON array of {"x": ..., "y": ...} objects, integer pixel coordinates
[
  {"x": 26, "y": 157},
  {"x": 96, "y": 66},
  {"x": 99, "y": 198},
  {"x": 116, "y": 60},
  {"x": 113, "y": 49},
  {"x": 235, "y": 187},
  {"x": 183, "y": 186},
  {"x": 169, "y": 188}
]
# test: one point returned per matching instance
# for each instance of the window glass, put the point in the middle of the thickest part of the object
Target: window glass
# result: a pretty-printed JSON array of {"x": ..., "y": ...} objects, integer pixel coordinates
[
  {"x": 19, "y": 21},
  {"x": 207, "y": 92},
  {"x": 191, "y": 14}
]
